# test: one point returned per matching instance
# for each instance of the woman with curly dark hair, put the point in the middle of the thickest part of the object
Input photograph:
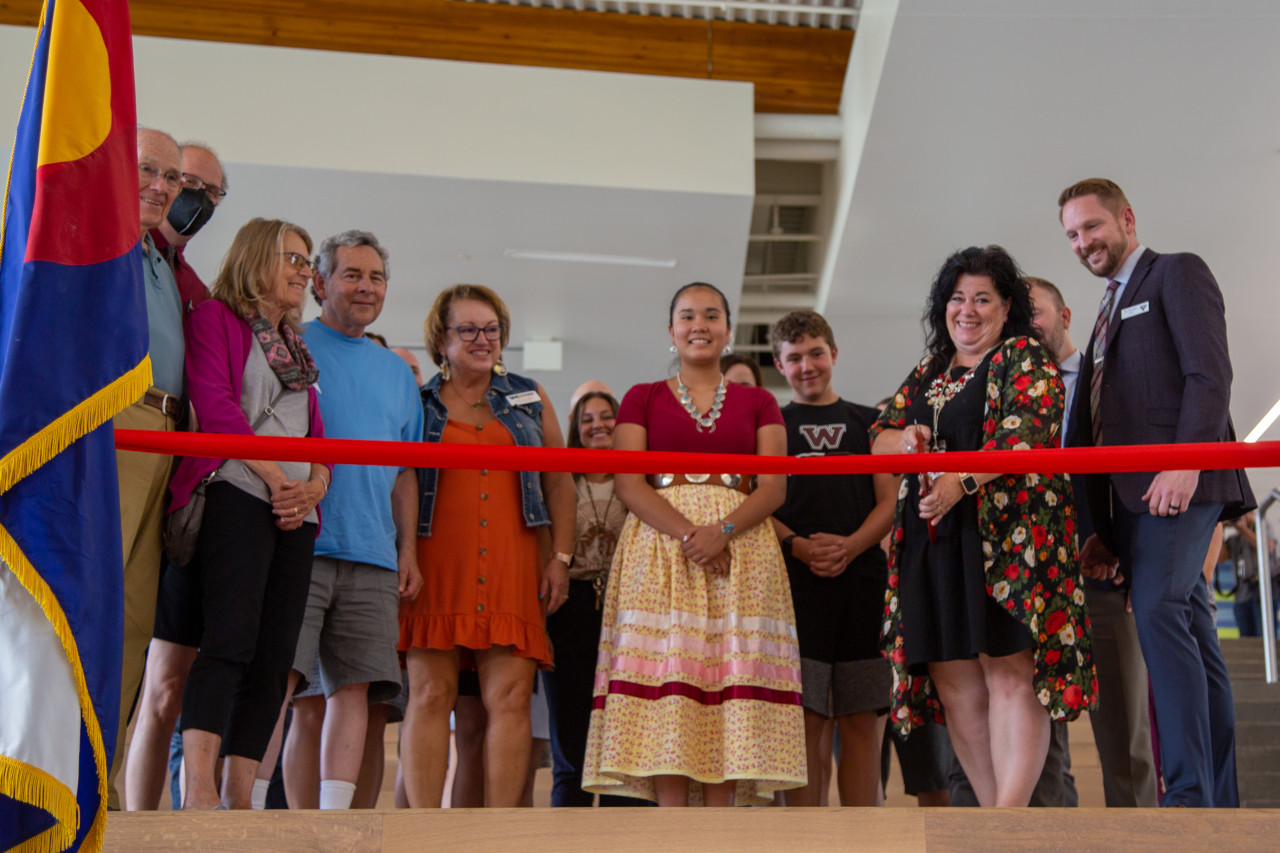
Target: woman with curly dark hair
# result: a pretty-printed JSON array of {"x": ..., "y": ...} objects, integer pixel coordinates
[{"x": 985, "y": 614}]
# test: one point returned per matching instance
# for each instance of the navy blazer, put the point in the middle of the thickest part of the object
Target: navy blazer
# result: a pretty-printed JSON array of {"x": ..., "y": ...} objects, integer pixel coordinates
[{"x": 1166, "y": 380}]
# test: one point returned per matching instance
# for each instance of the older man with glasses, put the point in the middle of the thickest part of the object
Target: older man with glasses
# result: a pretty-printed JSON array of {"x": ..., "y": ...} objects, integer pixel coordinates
[
  {"x": 177, "y": 624},
  {"x": 143, "y": 477}
]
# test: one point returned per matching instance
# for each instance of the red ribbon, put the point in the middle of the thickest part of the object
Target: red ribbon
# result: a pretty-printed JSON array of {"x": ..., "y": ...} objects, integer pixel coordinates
[{"x": 407, "y": 454}]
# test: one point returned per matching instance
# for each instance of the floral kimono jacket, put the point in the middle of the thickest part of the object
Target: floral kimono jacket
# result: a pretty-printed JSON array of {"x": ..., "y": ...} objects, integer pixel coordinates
[{"x": 1028, "y": 538}]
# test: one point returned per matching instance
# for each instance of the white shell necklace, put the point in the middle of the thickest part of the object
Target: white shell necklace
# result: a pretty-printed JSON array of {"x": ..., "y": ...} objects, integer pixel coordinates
[{"x": 707, "y": 421}]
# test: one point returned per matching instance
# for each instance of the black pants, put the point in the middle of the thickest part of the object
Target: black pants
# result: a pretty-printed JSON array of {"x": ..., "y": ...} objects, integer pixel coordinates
[
  {"x": 574, "y": 631},
  {"x": 255, "y": 579}
]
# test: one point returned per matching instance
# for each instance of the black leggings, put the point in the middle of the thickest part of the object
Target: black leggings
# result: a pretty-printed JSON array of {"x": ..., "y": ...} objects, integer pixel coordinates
[
  {"x": 574, "y": 631},
  {"x": 255, "y": 579}
]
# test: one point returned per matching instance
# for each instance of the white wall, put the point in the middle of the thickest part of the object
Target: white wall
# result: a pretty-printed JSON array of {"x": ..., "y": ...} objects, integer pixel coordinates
[{"x": 291, "y": 107}]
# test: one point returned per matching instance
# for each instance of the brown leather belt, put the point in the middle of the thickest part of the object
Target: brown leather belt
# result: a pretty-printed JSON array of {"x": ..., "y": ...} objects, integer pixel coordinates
[
  {"x": 740, "y": 482},
  {"x": 167, "y": 403}
]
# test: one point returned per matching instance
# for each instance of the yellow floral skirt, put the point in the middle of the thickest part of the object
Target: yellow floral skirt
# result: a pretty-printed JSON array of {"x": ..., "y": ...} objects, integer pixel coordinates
[{"x": 698, "y": 675}]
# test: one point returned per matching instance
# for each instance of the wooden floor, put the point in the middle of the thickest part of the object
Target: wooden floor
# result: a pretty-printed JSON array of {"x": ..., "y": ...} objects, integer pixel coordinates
[
  {"x": 899, "y": 830},
  {"x": 899, "y": 827},
  {"x": 1084, "y": 758}
]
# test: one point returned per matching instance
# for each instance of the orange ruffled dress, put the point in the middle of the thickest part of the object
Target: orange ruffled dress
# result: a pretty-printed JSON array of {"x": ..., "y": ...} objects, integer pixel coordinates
[{"x": 480, "y": 568}]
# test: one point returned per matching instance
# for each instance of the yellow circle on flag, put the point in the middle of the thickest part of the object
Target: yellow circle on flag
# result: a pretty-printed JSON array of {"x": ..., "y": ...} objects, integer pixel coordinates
[{"x": 77, "y": 94}]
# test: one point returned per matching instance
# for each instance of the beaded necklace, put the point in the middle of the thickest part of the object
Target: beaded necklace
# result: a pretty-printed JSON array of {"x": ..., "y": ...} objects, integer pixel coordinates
[
  {"x": 708, "y": 421},
  {"x": 940, "y": 392},
  {"x": 601, "y": 578}
]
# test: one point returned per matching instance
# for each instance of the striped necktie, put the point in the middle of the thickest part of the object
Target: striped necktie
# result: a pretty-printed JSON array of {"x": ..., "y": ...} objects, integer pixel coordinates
[{"x": 1099, "y": 355}]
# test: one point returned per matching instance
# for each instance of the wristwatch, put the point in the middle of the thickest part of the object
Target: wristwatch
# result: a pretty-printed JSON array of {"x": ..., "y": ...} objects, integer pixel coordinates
[
  {"x": 787, "y": 546},
  {"x": 567, "y": 559},
  {"x": 969, "y": 483}
]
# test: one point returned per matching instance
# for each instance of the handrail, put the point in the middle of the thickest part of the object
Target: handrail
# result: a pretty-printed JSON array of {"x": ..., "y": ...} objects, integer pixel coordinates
[{"x": 1265, "y": 599}]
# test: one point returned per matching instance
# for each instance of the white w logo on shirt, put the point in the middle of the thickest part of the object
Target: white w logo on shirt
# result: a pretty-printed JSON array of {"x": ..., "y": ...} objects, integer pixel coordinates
[{"x": 823, "y": 436}]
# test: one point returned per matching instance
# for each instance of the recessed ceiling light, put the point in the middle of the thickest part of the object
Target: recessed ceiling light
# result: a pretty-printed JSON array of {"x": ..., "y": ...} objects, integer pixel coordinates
[{"x": 582, "y": 258}]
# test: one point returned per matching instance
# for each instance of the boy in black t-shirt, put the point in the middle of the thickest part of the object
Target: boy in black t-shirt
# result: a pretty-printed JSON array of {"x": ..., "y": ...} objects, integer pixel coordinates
[{"x": 830, "y": 528}]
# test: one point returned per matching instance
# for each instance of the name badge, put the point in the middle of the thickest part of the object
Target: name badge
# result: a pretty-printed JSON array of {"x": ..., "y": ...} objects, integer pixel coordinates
[
  {"x": 523, "y": 398},
  {"x": 1135, "y": 310}
]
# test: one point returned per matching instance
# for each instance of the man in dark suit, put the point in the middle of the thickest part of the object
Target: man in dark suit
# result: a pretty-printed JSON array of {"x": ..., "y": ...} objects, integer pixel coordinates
[{"x": 1157, "y": 371}]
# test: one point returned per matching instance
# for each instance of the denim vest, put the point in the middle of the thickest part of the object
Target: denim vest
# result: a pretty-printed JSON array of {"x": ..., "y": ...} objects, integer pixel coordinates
[{"x": 524, "y": 422}]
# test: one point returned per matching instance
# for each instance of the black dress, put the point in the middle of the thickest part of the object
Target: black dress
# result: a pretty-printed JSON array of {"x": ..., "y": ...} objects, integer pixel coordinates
[{"x": 946, "y": 611}]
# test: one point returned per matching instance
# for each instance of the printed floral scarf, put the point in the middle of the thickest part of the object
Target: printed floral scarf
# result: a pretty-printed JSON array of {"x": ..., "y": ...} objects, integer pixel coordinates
[{"x": 286, "y": 352}]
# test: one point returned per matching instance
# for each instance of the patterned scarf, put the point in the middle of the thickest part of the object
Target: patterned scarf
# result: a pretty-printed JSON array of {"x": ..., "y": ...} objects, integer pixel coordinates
[{"x": 286, "y": 352}]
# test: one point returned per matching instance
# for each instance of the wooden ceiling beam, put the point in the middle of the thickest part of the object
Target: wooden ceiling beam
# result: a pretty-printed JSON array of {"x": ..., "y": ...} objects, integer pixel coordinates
[{"x": 794, "y": 69}]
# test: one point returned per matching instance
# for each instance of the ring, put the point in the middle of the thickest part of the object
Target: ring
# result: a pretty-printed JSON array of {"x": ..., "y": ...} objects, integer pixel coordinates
[{"x": 295, "y": 510}]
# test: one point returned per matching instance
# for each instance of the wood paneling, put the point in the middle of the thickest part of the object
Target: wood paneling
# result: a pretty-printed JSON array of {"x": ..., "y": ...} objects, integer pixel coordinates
[
  {"x": 794, "y": 69},
  {"x": 894, "y": 830}
]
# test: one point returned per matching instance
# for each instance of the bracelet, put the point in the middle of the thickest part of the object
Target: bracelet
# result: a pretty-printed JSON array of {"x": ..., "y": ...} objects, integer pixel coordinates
[{"x": 325, "y": 482}]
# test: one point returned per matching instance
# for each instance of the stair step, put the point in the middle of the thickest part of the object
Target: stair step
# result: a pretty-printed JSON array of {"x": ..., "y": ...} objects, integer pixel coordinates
[
  {"x": 1250, "y": 732},
  {"x": 1242, "y": 648},
  {"x": 1258, "y": 787},
  {"x": 1258, "y": 759},
  {"x": 1260, "y": 803},
  {"x": 1255, "y": 691},
  {"x": 1247, "y": 670}
]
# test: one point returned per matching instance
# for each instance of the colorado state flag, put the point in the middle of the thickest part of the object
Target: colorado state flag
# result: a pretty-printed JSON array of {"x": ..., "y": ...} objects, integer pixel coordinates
[{"x": 73, "y": 353}]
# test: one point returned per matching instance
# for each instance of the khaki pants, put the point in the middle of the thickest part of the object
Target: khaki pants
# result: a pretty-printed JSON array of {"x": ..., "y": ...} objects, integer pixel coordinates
[{"x": 144, "y": 479}]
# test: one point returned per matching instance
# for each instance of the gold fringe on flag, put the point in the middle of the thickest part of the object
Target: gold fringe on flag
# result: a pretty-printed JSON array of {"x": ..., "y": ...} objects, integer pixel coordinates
[
  {"x": 21, "y": 782},
  {"x": 69, "y": 817},
  {"x": 31, "y": 785},
  {"x": 86, "y": 416}
]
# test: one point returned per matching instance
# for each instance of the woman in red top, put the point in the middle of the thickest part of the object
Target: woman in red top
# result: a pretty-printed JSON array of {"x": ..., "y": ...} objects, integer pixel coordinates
[{"x": 697, "y": 693}]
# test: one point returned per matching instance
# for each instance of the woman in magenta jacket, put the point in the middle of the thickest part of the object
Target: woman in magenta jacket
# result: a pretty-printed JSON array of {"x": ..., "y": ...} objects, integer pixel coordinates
[{"x": 248, "y": 372}]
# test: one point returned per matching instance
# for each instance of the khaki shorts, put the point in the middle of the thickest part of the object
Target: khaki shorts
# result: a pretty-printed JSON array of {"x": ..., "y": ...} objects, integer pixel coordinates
[{"x": 352, "y": 626}]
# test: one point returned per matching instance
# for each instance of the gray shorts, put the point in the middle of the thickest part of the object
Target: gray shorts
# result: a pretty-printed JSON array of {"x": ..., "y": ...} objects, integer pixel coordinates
[
  {"x": 351, "y": 627},
  {"x": 846, "y": 687}
]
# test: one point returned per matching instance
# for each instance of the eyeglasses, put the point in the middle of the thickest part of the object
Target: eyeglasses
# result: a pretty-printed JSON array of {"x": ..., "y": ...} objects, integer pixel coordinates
[
  {"x": 214, "y": 191},
  {"x": 470, "y": 333},
  {"x": 149, "y": 173},
  {"x": 300, "y": 262}
]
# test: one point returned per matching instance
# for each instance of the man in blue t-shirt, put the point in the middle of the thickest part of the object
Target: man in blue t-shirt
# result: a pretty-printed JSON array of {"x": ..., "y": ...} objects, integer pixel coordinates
[{"x": 366, "y": 554}]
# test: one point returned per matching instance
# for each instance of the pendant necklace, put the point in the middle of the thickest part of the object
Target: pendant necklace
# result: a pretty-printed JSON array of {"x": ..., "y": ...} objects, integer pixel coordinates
[
  {"x": 458, "y": 394},
  {"x": 601, "y": 578},
  {"x": 708, "y": 421}
]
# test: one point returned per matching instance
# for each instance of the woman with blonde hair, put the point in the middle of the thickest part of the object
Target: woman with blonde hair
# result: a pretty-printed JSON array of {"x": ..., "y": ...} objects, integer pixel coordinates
[
  {"x": 248, "y": 372},
  {"x": 486, "y": 590}
]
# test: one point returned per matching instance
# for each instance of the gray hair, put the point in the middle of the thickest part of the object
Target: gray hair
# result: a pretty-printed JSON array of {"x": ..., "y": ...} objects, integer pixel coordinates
[
  {"x": 328, "y": 258},
  {"x": 142, "y": 128},
  {"x": 194, "y": 143}
]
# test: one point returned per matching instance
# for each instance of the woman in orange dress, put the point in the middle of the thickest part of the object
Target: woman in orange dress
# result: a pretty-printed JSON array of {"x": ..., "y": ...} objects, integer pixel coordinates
[{"x": 485, "y": 591}]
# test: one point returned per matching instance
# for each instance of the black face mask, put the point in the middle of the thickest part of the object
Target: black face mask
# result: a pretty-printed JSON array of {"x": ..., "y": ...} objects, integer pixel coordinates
[{"x": 190, "y": 211}]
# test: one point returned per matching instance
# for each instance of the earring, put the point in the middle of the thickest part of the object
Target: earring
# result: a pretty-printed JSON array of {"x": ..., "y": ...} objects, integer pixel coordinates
[
  {"x": 499, "y": 369},
  {"x": 444, "y": 370},
  {"x": 672, "y": 348},
  {"x": 727, "y": 349}
]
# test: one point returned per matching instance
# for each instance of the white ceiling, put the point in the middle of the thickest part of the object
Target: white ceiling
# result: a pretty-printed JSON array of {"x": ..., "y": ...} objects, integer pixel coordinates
[{"x": 441, "y": 231}]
